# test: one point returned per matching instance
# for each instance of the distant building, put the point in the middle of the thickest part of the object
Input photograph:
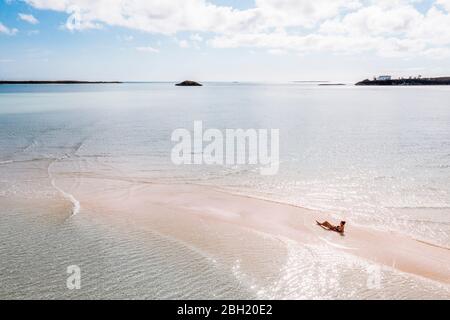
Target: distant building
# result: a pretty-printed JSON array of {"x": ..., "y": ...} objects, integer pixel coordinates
[{"x": 384, "y": 78}]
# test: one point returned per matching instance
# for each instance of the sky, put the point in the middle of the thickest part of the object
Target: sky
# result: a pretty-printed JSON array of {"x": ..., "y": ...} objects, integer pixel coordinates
[{"x": 223, "y": 40}]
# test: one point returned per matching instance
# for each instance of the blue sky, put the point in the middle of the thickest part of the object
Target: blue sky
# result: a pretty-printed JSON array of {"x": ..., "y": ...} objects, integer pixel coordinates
[{"x": 227, "y": 40}]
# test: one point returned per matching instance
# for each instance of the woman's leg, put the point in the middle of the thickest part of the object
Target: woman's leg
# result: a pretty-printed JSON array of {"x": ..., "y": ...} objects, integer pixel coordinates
[{"x": 326, "y": 224}]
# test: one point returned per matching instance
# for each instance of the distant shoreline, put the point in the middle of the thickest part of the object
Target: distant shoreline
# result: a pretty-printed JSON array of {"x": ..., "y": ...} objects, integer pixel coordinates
[
  {"x": 58, "y": 82},
  {"x": 441, "y": 81}
]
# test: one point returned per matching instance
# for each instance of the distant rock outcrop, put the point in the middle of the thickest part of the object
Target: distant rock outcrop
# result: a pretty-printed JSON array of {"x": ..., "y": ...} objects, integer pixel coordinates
[
  {"x": 407, "y": 82},
  {"x": 189, "y": 83}
]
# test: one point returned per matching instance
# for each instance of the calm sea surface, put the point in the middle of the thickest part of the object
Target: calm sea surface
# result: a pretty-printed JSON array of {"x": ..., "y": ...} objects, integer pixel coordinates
[{"x": 373, "y": 156}]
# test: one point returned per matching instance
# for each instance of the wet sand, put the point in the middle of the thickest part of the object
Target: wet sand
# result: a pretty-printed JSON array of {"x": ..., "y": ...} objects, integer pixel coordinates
[{"x": 183, "y": 211}]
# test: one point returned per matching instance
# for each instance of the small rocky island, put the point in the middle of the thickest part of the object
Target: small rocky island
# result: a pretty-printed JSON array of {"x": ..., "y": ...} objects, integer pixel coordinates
[
  {"x": 189, "y": 83},
  {"x": 417, "y": 81}
]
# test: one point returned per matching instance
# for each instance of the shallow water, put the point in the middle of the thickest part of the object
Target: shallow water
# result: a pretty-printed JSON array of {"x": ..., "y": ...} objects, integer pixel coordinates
[{"x": 376, "y": 156}]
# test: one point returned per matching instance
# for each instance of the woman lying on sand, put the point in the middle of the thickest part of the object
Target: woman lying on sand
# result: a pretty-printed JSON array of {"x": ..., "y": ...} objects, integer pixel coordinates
[{"x": 329, "y": 226}]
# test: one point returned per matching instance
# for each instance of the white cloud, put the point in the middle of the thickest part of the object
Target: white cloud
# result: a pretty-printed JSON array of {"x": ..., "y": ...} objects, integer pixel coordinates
[
  {"x": 299, "y": 43},
  {"x": 375, "y": 20},
  {"x": 196, "y": 37},
  {"x": 57, "y": 5},
  {"x": 390, "y": 28},
  {"x": 147, "y": 49},
  {"x": 194, "y": 41},
  {"x": 445, "y": 4},
  {"x": 279, "y": 13},
  {"x": 169, "y": 17},
  {"x": 183, "y": 44},
  {"x": 28, "y": 18},
  {"x": 5, "y": 30},
  {"x": 78, "y": 20},
  {"x": 166, "y": 17},
  {"x": 434, "y": 28},
  {"x": 437, "y": 53}
]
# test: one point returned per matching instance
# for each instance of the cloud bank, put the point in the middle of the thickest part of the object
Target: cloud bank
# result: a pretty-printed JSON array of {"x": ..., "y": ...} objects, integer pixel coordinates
[{"x": 389, "y": 28}]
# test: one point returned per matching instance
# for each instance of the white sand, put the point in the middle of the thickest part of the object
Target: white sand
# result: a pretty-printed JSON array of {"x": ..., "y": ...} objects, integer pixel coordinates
[{"x": 184, "y": 212}]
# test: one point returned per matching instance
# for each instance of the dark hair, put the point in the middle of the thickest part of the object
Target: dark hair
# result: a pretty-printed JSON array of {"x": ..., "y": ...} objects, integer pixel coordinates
[{"x": 342, "y": 222}]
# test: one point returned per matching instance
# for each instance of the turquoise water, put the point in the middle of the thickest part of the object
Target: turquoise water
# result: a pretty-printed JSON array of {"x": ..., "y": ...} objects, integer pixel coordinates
[{"x": 373, "y": 156}]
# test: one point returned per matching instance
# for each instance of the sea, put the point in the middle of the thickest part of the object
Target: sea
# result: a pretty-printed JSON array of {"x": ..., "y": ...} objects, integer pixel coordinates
[{"x": 378, "y": 157}]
